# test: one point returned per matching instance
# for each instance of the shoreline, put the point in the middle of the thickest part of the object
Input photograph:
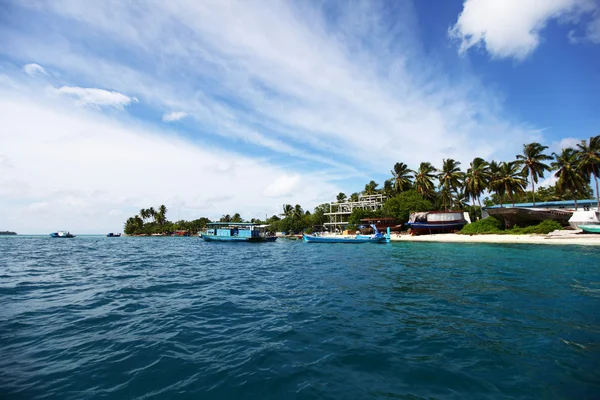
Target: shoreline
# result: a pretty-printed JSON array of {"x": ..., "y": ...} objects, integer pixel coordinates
[{"x": 560, "y": 238}]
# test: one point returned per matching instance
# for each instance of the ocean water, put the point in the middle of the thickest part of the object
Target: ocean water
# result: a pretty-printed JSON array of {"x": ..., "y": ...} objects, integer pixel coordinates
[{"x": 157, "y": 318}]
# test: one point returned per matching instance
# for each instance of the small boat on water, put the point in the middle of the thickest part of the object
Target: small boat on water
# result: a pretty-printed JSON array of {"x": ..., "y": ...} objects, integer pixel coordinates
[
  {"x": 377, "y": 237},
  {"x": 62, "y": 234},
  {"x": 237, "y": 232},
  {"x": 590, "y": 228},
  {"x": 113, "y": 235}
]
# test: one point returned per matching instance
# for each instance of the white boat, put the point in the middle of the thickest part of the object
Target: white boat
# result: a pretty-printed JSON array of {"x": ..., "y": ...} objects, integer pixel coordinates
[{"x": 586, "y": 217}]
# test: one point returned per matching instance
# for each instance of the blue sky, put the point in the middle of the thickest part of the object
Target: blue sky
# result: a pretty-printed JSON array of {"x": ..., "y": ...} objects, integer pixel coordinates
[{"x": 219, "y": 107}]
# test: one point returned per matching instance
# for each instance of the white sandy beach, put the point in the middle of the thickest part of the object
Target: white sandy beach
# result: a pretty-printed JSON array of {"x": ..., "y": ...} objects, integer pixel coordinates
[{"x": 559, "y": 237}]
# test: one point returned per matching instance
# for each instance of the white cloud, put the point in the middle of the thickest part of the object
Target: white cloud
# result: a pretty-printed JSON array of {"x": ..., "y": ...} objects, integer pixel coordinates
[
  {"x": 282, "y": 186},
  {"x": 511, "y": 28},
  {"x": 174, "y": 116},
  {"x": 34, "y": 70},
  {"x": 110, "y": 169},
  {"x": 97, "y": 97}
]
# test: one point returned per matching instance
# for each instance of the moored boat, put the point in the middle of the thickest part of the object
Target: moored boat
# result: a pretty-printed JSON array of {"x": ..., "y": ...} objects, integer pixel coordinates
[
  {"x": 62, "y": 234},
  {"x": 237, "y": 232},
  {"x": 377, "y": 237},
  {"x": 113, "y": 235},
  {"x": 590, "y": 228},
  {"x": 436, "y": 222}
]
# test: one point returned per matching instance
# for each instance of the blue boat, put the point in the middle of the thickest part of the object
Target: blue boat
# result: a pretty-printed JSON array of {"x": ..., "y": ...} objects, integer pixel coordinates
[
  {"x": 62, "y": 235},
  {"x": 237, "y": 232},
  {"x": 430, "y": 222},
  {"x": 377, "y": 237},
  {"x": 113, "y": 235}
]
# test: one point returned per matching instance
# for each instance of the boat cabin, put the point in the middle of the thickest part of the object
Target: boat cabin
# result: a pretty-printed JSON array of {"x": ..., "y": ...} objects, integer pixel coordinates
[{"x": 236, "y": 231}]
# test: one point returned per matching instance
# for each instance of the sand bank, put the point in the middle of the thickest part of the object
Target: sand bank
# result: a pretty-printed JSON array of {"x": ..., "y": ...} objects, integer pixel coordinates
[{"x": 559, "y": 237}]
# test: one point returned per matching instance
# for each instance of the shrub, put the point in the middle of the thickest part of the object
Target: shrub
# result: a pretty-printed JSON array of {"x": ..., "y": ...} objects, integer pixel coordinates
[
  {"x": 487, "y": 225},
  {"x": 543, "y": 228}
]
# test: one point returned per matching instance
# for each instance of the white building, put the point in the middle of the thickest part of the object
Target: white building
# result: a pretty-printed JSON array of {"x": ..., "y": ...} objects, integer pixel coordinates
[{"x": 340, "y": 212}]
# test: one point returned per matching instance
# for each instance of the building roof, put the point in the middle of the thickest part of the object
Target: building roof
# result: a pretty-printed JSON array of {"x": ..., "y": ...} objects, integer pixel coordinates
[{"x": 561, "y": 203}]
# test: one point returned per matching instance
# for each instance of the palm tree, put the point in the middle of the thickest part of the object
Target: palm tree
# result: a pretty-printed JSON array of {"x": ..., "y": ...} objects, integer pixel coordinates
[
  {"x": 388, "y": 187},
  {"x": 225, "y": 218},
  {"x": 569, "y": 178},
  {"x": 298, "y": 211},
  {"x": 532, "y": 162},
  {"x": 495, "y": 184},
  {"x": 162, "y": 214},
  {"x": 237, "y": 218},
  {"x": 511, "y": 179},
  {"x": 450, "y": 178},
  {"x": 477, "y": 179},
  {"x": 144, "y": 214},
  {"x": 353, "y": 197},
  {"x": 341, "y": 197},
  {"x": 401, "y": 176},
  {"x": 371, "y": 188},
  {"x": 588, "y": 155},
  {"x": 288, "y": 210},
  {"x": 424, "y": 180},
  {"x": 152, "y": 213}
]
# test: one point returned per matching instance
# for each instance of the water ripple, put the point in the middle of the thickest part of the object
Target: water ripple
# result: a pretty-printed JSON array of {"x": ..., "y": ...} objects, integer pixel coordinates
[{"x": 149, "y": 318}]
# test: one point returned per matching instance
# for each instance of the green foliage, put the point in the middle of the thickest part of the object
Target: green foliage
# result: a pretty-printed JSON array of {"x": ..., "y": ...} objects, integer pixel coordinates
[
  {"x": 543, "y": 228},
  {"x": 402, "y": 205},
  {"x": 484, "y": 226},
  {"x": 138, "y": 225},
  {"x": 491, "y": 225}
]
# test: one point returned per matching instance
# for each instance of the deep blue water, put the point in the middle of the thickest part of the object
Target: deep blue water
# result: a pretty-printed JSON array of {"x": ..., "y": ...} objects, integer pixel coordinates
[{"x": 142, "y": 318}]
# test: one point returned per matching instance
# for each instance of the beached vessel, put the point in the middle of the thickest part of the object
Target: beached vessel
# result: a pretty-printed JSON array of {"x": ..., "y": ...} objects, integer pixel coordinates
[
  {"x": 237, "y": 232},
  {"x": 377, "y": 237},
  {"x": 585, "y": 217},
  {"x": 590, "y": 228},
  {"x": 430, "y": 222},
  {"x": 113, "y": 235},
  {"x": 62, "y": 234},
  {"x": 382, "y": 225}
]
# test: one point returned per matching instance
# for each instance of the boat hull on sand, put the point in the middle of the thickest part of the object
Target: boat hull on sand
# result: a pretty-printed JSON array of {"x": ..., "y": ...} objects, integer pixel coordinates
[{"x": 590, "y": 228}]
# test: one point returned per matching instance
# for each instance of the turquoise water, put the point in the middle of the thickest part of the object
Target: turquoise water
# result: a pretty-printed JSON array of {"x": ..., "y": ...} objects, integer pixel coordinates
[{"x": 142, "y": 318}]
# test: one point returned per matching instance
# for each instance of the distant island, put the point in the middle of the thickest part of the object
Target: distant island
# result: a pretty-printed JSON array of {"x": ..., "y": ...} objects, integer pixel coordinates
[{"x": 7, "y": 233}]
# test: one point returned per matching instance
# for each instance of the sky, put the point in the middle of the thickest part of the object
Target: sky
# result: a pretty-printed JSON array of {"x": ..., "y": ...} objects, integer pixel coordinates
[{"x": 218, "y": 107}]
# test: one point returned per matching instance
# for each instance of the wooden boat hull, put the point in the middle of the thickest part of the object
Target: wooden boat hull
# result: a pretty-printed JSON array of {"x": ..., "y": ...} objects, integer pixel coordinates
[
  {"x": 350, "y": 240},
  {"x": 512, "y": 216},
  {"x": 419, "y": 228},
  {"x": 590, "y": 228},
  {"x": 237, "y": 239}
]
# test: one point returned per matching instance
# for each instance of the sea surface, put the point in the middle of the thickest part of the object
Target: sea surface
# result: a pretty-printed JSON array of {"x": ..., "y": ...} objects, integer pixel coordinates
[{"x": 169, "y": 318}]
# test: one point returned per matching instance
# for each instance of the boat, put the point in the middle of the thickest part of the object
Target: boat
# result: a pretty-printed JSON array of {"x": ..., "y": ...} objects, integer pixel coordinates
[
  {"x": 381, "y": 223},
  {"x": 590, "y": 228},
  {"x": 113, "y": 235},
  {"x": 430, "y": 222},
  {"x": 237, "y": 232},
  {"x": 585, "y": 217},
  {"x": 521, "y": 216},
  {"x": 62, "y": 234},
  {"x": 377, "y": 237},
  {"x": 7, "y": 233}
]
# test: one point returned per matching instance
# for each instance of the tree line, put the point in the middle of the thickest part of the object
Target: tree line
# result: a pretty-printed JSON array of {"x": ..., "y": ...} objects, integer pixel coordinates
[{"x": 431, "y": 188}]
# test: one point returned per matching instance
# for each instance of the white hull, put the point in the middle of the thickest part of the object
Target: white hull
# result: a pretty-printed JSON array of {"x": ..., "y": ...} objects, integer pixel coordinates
[{"x": 584, "y": 218}]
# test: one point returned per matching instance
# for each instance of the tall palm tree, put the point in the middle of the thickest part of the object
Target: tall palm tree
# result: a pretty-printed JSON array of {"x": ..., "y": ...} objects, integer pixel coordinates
[
  {"x": 511, "y": 179},
  {"x": 477, "y": 179},
  {"x": 152, "y": 213},
  {"x": 388, "y": 187},
  {"x": 532, "y": 161},
  {"x": 341, "y": 197},
  {"x": 371, "y": 188},
  {"x": 424, "y": 180},
  {"x": 225, "y": 218},
  {"x": 588, "y": 155},
  {"x": 450, "y": 178},
  {"x": 401, "y": 176},
  {"x": 237, "y": 218},
  {"x": 353, "y": 197},
  {"x": 495, "y": 183},
  {"x": 288, "y": 210},
  {"x": 569, "y": 177},
  {"x": 144, "y": 214},
  {"x": 162, "y": 214},
  {"x": 298, "y": 211}
]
